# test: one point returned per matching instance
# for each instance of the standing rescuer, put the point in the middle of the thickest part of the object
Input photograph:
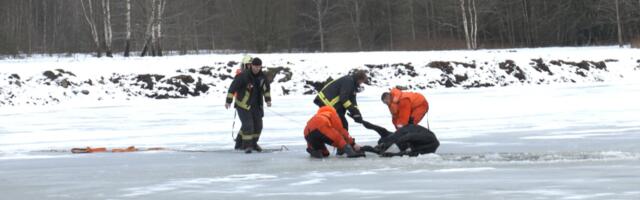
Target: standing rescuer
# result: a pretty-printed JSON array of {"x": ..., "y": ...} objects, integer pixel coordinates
[
  {"x": 405, "y": 107},
  {"x": 341, "y": 95},
  {"x": 249, "y": 87},
  {"x": 245, "y": 65}
]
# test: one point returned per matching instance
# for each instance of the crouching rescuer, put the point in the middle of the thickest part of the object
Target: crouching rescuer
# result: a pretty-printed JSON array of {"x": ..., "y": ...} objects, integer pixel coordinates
[
  {"x": 325, "y": 127},
  {"x": 249, "y": 87}
]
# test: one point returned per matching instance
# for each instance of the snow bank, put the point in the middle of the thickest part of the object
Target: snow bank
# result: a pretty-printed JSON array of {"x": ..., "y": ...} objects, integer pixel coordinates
[{"x": 51, "y": 80}]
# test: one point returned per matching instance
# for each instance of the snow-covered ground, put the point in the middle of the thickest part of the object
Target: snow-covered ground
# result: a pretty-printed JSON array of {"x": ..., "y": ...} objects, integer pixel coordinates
[
  {"x": 525, "y": 141},
  {"x": 51, "y": 80}
]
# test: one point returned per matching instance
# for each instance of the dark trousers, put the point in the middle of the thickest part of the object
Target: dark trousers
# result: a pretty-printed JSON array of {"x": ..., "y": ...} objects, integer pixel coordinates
[
  {"x": 251, "y": 123},
  {"x": 316, "y": 141},
  {"x": 419, "y": 142},
  {"x": 419, "y": 139}
]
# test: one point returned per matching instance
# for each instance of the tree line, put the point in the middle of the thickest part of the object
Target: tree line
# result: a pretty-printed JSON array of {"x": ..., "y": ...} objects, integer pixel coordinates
[{"x": 154, "y": 27}]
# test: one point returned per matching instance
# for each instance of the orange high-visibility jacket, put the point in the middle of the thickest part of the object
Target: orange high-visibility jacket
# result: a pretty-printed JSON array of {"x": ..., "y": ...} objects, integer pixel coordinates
[
  {"x": 407, "y": 104},
  {"x": 326, "y": 121}
]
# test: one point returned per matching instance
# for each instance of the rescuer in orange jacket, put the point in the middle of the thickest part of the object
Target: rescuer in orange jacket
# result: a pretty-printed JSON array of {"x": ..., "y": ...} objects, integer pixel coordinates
[
  {"x": 405, "y": 107},
  {"x": 325, "y": 127}
]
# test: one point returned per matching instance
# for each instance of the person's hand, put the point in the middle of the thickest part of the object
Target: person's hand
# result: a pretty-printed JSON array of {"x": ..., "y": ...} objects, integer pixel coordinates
[
  {"x": 356, "y": 147},
  {"x": 227, "y": 105},
  {"x": 268, "y": 103}
]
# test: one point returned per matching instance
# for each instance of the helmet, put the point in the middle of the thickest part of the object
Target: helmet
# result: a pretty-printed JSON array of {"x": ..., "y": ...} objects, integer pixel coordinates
[{"x": 246, "y": 59}]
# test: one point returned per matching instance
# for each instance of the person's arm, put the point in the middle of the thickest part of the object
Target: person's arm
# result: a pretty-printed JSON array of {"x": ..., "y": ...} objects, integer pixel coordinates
[
  {"x": 404, "y": 112},
  {"x": 337, "y": 123},
  {"x": 266, "y": 89},
  {"x": 235, "y": 84},
  {"x": 354, "y": 111},
  {"x": 348, "y": 101}
]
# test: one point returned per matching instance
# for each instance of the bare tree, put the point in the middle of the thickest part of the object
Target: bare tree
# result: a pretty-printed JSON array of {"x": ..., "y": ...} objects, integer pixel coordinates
[
  {"x": 127, "y": 43},
  {"x": 154, "y": 29},
  {"x": 412, "y": 21},
  {"x": 470, "y": 23},
  {"x": 158, "y": 35},
  {"x": 355, "y": 8},
  {"x": 390, "y": 24},
  {"x": 108, "y": 33},
  {"x": 322, "y": 9},
  {"x": 619, "y": 25},
  {"x": 90, "y": 17}
]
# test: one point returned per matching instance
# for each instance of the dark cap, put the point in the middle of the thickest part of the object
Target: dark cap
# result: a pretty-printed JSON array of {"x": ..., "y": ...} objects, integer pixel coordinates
[{"x": 256, "y": 61}]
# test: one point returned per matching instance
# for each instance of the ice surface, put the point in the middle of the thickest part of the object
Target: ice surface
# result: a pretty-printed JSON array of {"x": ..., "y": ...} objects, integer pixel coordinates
[
  {"x": 558, "y": 141},
  {"x": 530, "y": 142}
]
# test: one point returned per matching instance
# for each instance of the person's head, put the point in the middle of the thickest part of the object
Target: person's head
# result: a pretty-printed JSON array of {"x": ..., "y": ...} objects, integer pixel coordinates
[
  {"x": 246, "y": 62},
  {"x": 256, "y": 65},
  {"x": 360, "y": 76},
  {"x": 386, "y": 98}
]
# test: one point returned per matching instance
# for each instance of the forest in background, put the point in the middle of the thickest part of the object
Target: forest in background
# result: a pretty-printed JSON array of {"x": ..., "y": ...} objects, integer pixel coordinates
[{"x": 160, "y": 27}]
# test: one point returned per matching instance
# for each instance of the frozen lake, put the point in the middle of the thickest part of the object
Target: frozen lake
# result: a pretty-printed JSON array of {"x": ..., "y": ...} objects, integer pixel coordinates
[{"x": 521, "y": 142}]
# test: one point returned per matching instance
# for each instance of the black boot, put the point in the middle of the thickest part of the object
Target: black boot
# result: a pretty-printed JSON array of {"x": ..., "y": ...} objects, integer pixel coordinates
[
  {"x": 315, "y": 153},
  {"x": 247, "y": 146},
  {"x": 238, "y": 145},
  {"x": 256, "y": 146}
]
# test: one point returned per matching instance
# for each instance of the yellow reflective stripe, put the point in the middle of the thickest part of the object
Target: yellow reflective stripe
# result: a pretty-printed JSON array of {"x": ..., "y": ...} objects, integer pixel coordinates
[
  {"x": 230, "y": 95},
  {"x": 346, "y": 104},
  {"x": 243, "y": 103},
  {"x": 335, "y": 100},
  {"x": 326, "y": 101},
  {"x": 268, "y": 94},
  {"x": 325, "y": 86},
  {"x": 246, "y": 136}
]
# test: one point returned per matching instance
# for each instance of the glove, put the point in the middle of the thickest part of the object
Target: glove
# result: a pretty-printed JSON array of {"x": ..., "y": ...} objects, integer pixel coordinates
[{"x": 352, "y": 153}]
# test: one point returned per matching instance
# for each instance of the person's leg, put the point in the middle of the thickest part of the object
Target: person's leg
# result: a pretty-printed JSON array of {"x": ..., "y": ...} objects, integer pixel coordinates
[
  {"x": 238, "y": 140},
  {"x": 316, "y": 144},
  {"x": 426, "y": 148},
  {"x": 419, "y": 112},
  {"x": 381, "y": 131},
  {"x": 421, "y": 142},
  {"x": 257, "y": 126},
  {"x": 247, "y": 129}
]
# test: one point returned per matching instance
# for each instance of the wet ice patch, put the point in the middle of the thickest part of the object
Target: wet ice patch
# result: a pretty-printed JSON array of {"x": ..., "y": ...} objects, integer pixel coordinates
[
  {"x": 308, "y": 182},
  {"x": 20, "y": 156},
  {"x": 539, "y": 192},
  {"x": 384, "y": 192},
  {"x": 581, "y": 134},
  {"x": 199, "y": 183},
  {"x": 526, "y": 157},
  {"x": 590, "y": 196},
  {"x": 349, "y": 191},
  {"x": 474, "y": 169}
]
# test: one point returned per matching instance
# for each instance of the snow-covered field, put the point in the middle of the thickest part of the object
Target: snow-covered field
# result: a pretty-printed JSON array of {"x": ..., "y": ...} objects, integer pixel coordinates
[{"x": 555, "y": 140}]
